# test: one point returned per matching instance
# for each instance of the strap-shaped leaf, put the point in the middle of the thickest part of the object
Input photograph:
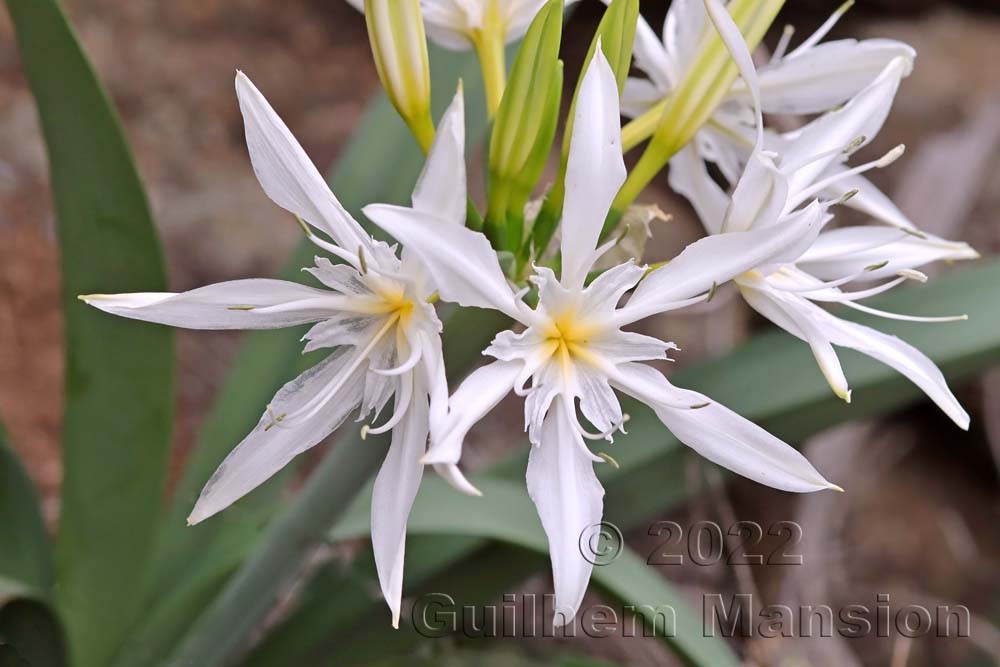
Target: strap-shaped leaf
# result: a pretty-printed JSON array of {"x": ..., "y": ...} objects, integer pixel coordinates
[
  {"x": 119, "y": 393},
  {"x": 26, "y": 555}
]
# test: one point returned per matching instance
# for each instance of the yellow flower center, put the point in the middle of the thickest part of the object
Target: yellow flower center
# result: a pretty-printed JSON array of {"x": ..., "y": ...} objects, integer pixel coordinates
[{"x": 569, "y": 334}]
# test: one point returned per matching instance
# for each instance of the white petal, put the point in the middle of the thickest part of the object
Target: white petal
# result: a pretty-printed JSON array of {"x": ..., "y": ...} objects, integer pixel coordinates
[
  {"x": 225, "y": 305},
  {"x": 649, "y": 55},
  {"x": 867, "y": 198},
  {"x": 393, "y": 494},
  {"x": 863, "y": 117},
  {"x": 569, "y": 500},
  {"x": 287, "y": 174},
  {"x": 825, "y": 75},
  {"x": 595, "y": 169},
  {"x": 897, "y": 354},
  {"x": 759, "y": 198},
  {"x": 849, "y": 250},
  {"x": 607, "y": 289},
  {"x": 598, "y": 402},
  {"x": 797, "y": 316},
  {"x": 477, "y": 395},
  {"x": 689, "y": 177},
  {"x": 440, "y": 190},
  {"x": 638, "y": 96},
  {"x": 723, "y": 437},
  {"x": 740, "y": 52},
  {"x": 267, "y": 449},
  {"x": 716, "y": 259},
  {"x": 462, "y": 262},
  {"x": 682, "y": 30}
]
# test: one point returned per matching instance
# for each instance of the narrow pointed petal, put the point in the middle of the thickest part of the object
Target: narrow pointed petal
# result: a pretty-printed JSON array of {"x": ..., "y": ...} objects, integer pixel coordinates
[
  {"x": 722, "y": 436},
  {"x": 228, "y": 305},
  {"x": 595, "y": 169},
  {"x": 900, "y": 355},
  {"x": 569, "y": 500},
  {"x": 867, "y": 198},
  {"x": 851, "y": 250},
  {"x": 272, "y": 444},
  {"x": 682, "y": 30},
  {"x": 287, "y": 174},
  {"x": 393, "y": 494},
  {"x": 650, "y": 56},
  {"x": 638, "y": 96},
  {"x": 825, "y": 75},
  {"x": 440, "y": 190},
  {"x": 462, "y": 262},
  {"x": 716, "y": 259},
  {"x": 477, "y": 395},
  {"x": 689, "y": 177},
  {"x": 797, "y": 316},
  {"x": 862, "y": 117}
]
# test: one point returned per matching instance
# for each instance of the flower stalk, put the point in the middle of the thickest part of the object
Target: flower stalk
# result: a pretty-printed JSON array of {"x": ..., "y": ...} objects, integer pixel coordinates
[
  {"x": 678, "y": 117},
  {"x": 489, "y": 42}
]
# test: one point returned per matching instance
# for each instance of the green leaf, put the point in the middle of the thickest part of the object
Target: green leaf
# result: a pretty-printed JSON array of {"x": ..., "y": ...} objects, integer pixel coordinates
[
  {"x": 220, "y": 632},
  {"x": 505, "y": 513},
  {"x": 119, "y": 393},
  {"x": 26, "y": 555}
]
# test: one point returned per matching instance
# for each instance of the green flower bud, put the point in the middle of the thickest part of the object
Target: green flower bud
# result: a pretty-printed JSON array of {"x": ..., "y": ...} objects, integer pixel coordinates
[{"x": 396, "y": 32}]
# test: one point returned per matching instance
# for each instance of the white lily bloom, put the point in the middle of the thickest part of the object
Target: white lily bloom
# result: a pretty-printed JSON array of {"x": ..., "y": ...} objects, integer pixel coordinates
[
  {"x": 572, "y": 348},
  {"x": 773, "y": 192},
  {"x": 455, "y": 24},
  {"x": 374, "y": 310},
  {"x": 812, "y": 78}
]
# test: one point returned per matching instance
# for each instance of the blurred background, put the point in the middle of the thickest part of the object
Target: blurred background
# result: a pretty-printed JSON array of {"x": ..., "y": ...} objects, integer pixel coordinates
[{"x": 920, "y": 521}]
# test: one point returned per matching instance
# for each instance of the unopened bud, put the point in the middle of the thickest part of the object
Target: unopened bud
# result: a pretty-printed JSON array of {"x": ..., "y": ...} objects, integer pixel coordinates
[{"x": 396, "y": 32}]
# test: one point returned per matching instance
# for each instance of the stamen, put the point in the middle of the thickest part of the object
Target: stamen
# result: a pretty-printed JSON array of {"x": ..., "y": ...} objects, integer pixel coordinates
[
  {"x": 847, "y": 149},
  {"x": 821, "y": 32},
  {"x": 361, "y": 259},
  {"x": 904, "y": 318},
  {"x": 304, "y": 226},
  {"x": 407, "y": 365},
  {"x": 779, "y": 50},
  {"x": 711, "y": 292},
  {"x": 913, "y": 274},
  {"x": 240, "y": 307},
  {"x": 607, "y": 459},
  {"x": 402, "y": 405},
  {"x": 876, "y": 267},
  {"x": 915, "y": 233},
  {"x": 275, "y": 419},
  {"x": 840, "y": 297},
  {"x": 821, "y": 185}
]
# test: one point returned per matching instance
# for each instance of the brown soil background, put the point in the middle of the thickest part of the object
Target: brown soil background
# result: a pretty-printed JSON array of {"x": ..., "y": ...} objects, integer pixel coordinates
[{"x": 921, "y": 521}]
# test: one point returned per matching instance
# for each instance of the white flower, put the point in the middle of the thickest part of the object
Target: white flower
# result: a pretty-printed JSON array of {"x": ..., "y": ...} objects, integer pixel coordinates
[
  {"x": 375, "y": 311},
  {"x": 572, "y": 347},
  {"x": 457, "y": 24},
  {"x": 774, "y": 191},
  {"x": 812, "y": 78}
]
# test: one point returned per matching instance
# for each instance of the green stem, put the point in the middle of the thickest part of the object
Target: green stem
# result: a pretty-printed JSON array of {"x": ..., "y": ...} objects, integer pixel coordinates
[
  {"x": 490, "y": 49},
  {"x": 642, "y": 127},
  {"x": 222, "y": 629}
]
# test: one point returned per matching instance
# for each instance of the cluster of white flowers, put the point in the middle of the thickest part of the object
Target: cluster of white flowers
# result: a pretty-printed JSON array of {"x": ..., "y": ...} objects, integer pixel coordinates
[{"x": 568, "y": 353}]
